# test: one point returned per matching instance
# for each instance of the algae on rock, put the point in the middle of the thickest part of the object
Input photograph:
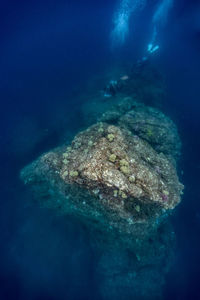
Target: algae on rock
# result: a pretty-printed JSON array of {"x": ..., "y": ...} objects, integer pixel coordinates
[{"x": 119, "y": 179}]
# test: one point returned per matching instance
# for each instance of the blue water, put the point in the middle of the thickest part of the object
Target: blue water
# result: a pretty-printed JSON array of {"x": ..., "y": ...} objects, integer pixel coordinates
[{"x": 49, "y": 52}]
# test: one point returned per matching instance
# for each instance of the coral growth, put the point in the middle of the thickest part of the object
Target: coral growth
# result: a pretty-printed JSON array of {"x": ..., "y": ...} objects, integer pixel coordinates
[{"x": 119, "y": 178}]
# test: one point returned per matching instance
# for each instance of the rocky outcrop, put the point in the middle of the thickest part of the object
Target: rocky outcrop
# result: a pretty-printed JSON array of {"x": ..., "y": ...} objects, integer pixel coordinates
[{"x": 118, "y": 177}]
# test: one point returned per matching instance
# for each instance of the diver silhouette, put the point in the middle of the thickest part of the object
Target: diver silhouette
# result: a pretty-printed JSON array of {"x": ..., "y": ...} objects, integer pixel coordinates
[{"x": 128, "y": 8}]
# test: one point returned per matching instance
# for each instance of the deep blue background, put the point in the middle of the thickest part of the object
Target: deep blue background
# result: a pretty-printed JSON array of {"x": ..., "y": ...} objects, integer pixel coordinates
[{"x": 48, "y": 51}]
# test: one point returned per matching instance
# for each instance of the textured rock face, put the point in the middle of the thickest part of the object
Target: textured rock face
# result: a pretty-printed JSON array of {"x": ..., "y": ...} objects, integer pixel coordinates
[
  {"x": 128, "y": 180},
  {"x": 122, "y": 190},
  {"x": 149, "y": 123},
  {"x": 118, "y": 177},
  {"x": 116, "y": 165},
  {"x": 154, "y": 127}
]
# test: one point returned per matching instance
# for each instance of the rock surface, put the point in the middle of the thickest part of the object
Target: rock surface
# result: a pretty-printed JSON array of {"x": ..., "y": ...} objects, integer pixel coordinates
[
  {"x": 118, "y": 177},
  {"x": 127, "y": 179},
  {"x": 154, "y": 127}
]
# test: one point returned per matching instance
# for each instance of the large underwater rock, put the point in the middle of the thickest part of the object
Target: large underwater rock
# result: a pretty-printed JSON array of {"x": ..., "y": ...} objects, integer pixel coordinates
[
  {"x": 154, "y": 127},
  {"x": 127, "y": 180},
  {"x": 118, "y": 177},
  {"x": 148, "y": 123}
]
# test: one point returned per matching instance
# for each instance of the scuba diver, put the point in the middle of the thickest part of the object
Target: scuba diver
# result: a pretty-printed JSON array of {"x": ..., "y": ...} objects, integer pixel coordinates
[
  {"x": 115, "y": 86},
  {"x": 111, "y": 88}
]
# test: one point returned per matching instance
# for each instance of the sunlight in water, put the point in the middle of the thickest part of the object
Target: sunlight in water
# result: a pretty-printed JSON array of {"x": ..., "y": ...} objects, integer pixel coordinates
[
  {"x": 121, "y": 20},
  {"x": 126, "y": 9},
  {"x": 161, "y": 13},
  {"x": 159, "y": 19}
]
